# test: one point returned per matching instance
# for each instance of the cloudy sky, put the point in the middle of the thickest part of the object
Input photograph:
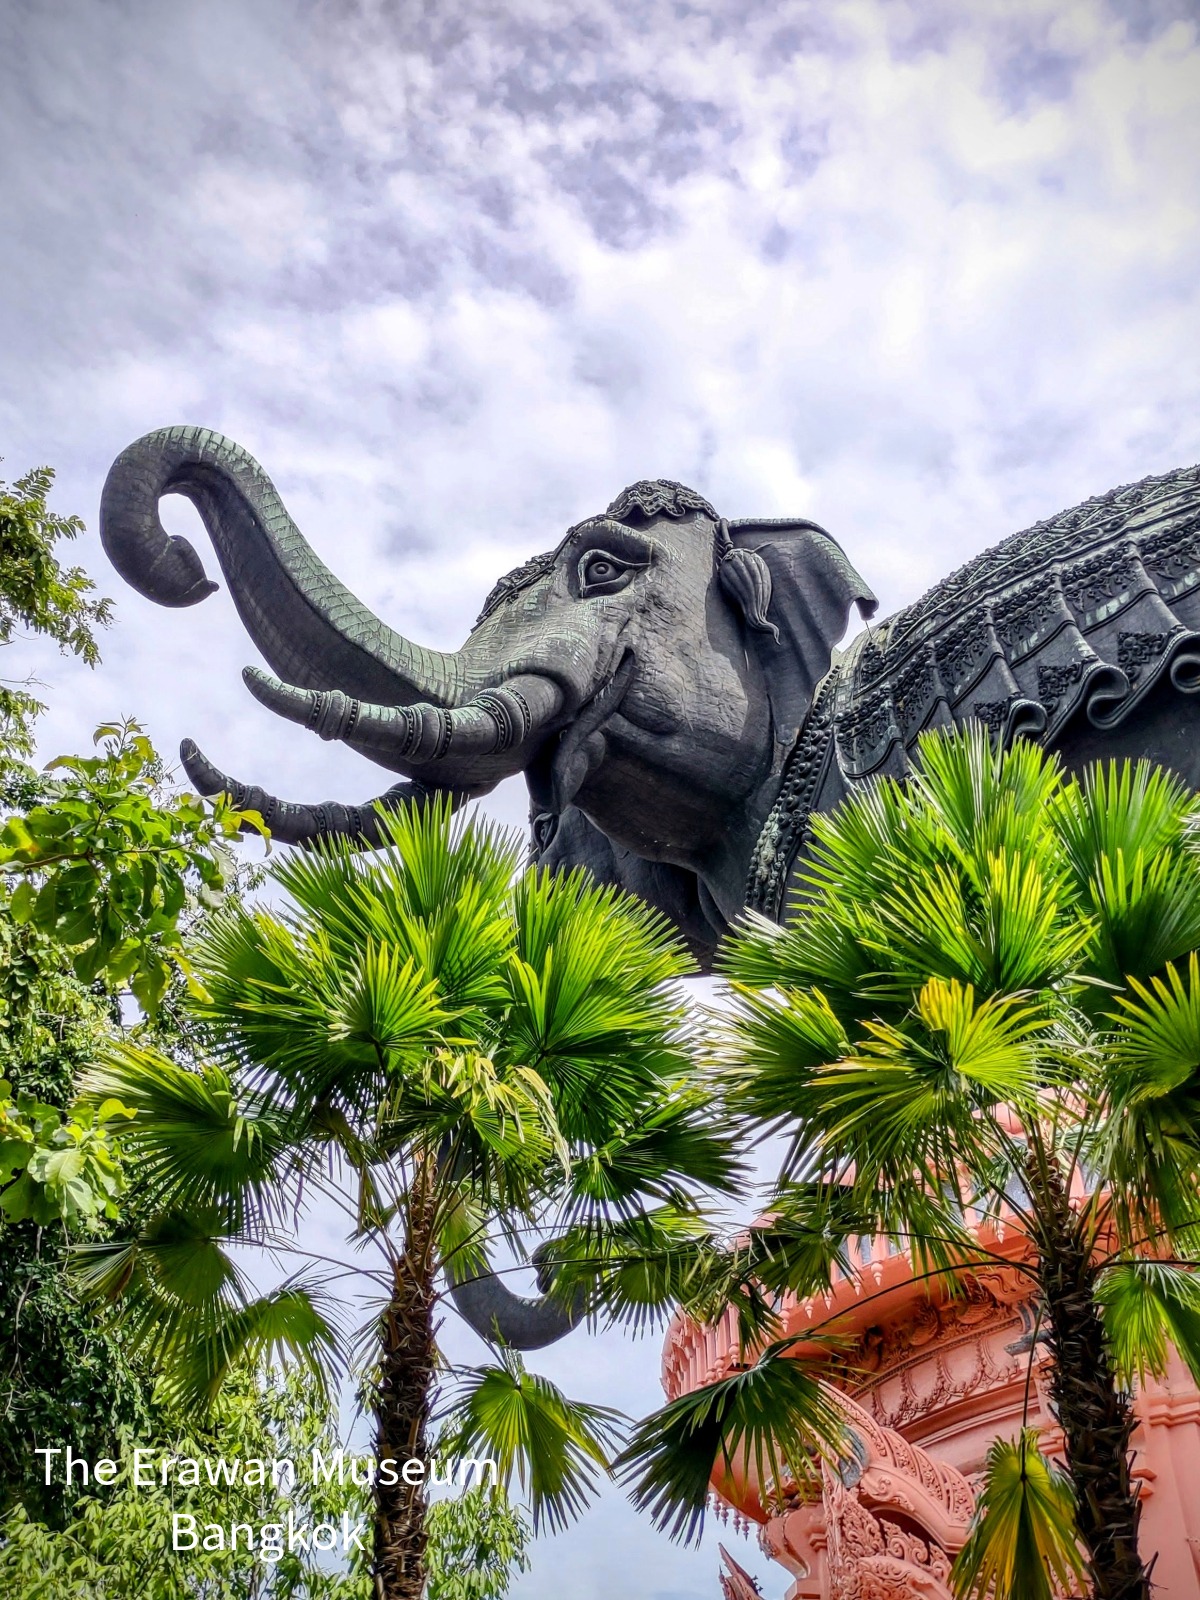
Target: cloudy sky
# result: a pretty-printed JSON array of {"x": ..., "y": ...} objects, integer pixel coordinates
[{"x": 456, "y": 271}]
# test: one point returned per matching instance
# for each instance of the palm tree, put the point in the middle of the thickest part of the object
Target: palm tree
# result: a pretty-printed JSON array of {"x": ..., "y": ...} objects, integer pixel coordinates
[
  {"x": 987, "y": 999},
  {"x": 442, "y": 1047}
]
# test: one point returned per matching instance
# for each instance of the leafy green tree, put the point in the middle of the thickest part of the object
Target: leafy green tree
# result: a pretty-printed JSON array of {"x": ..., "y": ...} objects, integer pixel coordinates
[
  {"x": 988, "y": 1000},
  {"x": 67, "y": 1166},
  {"x": 102, "y": 867},
  {"x": 38, "y": 594},
  {"x": 99, "y": 853},
  {"x": 105, "y": 856},
  {"x": 477, "y": 1544},
  {"x": 440, "y": 1046},
  {"x": 118, "y": 1539},
  {"x": 62, "y": 1378}
]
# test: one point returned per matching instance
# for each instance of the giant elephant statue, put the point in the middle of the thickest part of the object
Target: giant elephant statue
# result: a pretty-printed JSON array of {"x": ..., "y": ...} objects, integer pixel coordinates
[{"x": 668, "y": 682}]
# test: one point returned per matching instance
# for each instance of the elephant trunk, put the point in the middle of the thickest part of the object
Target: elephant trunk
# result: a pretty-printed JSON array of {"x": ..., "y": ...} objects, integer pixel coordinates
[
  {"x": 499, "y": 1316},
  {"x": 309, "y": 627},
  {"x": 474, "y": 745},
  {"x": 292, "y": 822}
]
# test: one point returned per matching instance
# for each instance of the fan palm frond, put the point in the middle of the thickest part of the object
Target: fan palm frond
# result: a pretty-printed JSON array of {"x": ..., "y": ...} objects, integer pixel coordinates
[
  {"x": 1022, "y": 1541},
  {"x": 857, "y": 849},
  {"x": 1148, "y": 1147},
  {"x": 673, "y": 1149},
  {"x": 199, "y": 1141},
  {"x": 635, "y": 1270},
  {"x": 183, "y": 1304},
  {"x": 1119, "y": 808},
  {"x": 1157, "y": 1044},
  {"x": 593, "y": 1002},
  {"x": 819, "y": 948},
  {"x": 288, "y": 1324},
  {"x": 903, "y": 1108},
  {"x": 998, "y": 928},
  {"x": 978, "y": 799},
  {"x": 554, "y": 1447},
  {"x": 1146, "y": 911},
  {"x": 771, "y": 1045},
  {"x": 1145, "y": 1304},
  {"x": 770, "y": 1419}
]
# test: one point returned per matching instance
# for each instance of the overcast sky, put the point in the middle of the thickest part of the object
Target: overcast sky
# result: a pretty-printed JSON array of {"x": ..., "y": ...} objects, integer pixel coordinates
[{"x": 456, "y": 272}]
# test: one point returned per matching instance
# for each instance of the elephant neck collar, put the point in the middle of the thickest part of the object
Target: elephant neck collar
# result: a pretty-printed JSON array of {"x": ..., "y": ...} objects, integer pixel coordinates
[{"x": 786, "y": 829}]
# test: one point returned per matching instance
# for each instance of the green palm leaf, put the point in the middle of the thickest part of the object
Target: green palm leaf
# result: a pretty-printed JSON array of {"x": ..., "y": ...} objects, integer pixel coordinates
[
  {"x": 1123, "y": 827},
  {"x": 385, "y": 1002},
  {"x": 1158, "y": 1039},
  {"x": 183, "y": 1304},
  {"x": 1145, "y": 1304},
  {"x": 771, "y": 1046},
  {"x": 997, "y": 927},
  {"x": 903, "y": 1107},
  {"x": 287, "y": 1324},
  {"x": 1148, "y": 1149},
  {"x": 552, "y": 1445},
  {"x": 1022, "y": 1541},
  {"x": 1119, "y": 808},
  {"x": 672, "y": 1149},
  {"x": 857, "y": 849},
  {"x": 593, "y": 1000},
  {"x": 772, "y": 1418},
  {"x": 985, "y": 799},
  {"x": 634, "y": 1271},
  {"x": 175, "y": 1270},
  {"x": 821, "y": 947},
  {"x": 198, "y": 1141},
  {"x": 1146, "y": 910}
]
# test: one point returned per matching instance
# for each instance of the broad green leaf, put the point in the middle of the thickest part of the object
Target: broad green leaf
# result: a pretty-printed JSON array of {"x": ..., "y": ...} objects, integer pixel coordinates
[
  {"x": 20, "y": 906},
  {"x": 1022, "y": 1544},
  {"x": 553, "y": 1446},
  {"x": 773, "y": 1418}
]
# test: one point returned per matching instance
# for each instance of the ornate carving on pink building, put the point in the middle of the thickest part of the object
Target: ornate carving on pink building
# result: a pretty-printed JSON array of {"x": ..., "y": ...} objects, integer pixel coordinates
[
  {"x": 888, "y": 1522},
  {"x": 928, "y": 1381},
  {"x": 736, "y": 1582}
]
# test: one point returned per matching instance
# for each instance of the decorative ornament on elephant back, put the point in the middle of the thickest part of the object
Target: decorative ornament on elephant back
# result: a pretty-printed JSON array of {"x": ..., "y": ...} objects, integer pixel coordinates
[{"x": 665, "y": 678}]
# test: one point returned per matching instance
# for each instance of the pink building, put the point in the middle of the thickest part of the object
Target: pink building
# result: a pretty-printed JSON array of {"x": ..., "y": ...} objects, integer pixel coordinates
[{"x": 929, "y": 1383}]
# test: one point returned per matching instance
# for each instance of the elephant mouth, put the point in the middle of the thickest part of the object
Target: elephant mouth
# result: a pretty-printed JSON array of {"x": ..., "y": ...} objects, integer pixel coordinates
[{"x": 580, "y": 747}]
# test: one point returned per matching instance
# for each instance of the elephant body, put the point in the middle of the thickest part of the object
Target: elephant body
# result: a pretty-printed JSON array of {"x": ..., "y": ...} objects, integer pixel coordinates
[
  {"x": 1082, "y": 632},
  {"x": 668, "y": 680}
]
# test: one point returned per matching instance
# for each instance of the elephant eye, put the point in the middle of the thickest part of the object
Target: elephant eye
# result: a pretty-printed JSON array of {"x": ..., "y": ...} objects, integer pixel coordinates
[{"x": 601, "y": 572}]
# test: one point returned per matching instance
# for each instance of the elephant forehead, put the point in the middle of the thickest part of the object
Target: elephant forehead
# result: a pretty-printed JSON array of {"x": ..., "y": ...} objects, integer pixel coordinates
[
  {"x": 529, "y": 591},
  {"x": 512, "y": 583}
]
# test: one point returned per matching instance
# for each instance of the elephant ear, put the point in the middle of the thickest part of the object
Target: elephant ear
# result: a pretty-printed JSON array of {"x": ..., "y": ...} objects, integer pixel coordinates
[{"x": 813, "y": 587}]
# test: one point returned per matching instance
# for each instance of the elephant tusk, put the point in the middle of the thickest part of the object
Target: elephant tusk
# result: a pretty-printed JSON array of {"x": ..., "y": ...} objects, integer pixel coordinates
[
  {"x": 296, "y": 823},
  {"x": 404, "y": 737}
]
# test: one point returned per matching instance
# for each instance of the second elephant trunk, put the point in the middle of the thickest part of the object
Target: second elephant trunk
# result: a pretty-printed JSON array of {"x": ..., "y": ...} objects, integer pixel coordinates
[
  {"x": 308, "y": 625},
  {"x": 472, "y": 746},
  {"x": 500, "y": 1316}
]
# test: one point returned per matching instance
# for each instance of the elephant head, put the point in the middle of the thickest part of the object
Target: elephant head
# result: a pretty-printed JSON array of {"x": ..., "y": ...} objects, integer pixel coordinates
[{"x": 648, "y": 676}]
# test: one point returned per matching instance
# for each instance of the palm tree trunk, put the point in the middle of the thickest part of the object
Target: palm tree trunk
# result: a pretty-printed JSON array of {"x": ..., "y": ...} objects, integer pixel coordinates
[
  {"x": 402, "y": 1404},
  {"x": 1096, "y": 1418}
]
